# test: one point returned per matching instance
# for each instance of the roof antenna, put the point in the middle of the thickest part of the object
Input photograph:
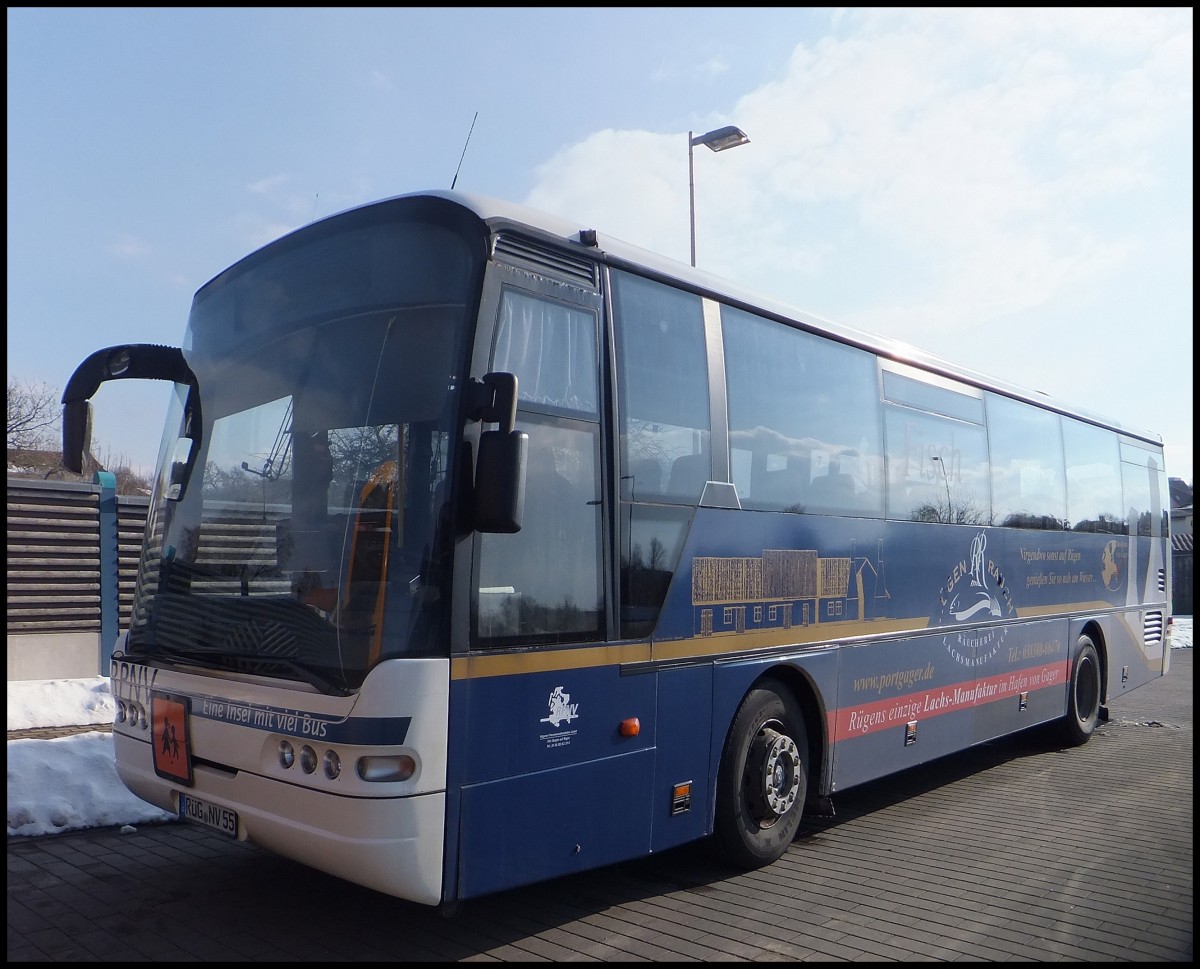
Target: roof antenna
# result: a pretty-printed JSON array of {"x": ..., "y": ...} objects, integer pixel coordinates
[{"x": 464, "y": 152}]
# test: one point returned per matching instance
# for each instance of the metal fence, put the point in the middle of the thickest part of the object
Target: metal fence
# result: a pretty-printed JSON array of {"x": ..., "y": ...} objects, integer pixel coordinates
[
  {"x": 73, "y": 553},
  {"x": 72, "y": 560}
]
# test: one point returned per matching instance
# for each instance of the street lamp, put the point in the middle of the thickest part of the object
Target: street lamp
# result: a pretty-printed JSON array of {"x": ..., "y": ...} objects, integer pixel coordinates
[{"x": 718, "y": 140}]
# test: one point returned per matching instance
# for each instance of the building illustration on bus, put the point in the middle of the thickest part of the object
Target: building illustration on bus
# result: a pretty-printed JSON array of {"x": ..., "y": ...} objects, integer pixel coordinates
[{"x": 458, "y": 503}]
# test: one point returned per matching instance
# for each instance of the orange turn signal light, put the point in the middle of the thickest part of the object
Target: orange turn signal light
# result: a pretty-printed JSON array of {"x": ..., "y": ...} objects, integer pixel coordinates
[{"x": 630, "y": 727}]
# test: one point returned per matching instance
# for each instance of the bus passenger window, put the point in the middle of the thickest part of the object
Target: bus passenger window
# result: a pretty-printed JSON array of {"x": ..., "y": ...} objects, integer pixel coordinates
[
  {"x": 551, "y": 348},
  {"x": 804, "y": 411},
  {"x": 1028, "y": 476},
  {"x": 650, "y": 548},
  {"x": 937, "y": 469},
  {"x": 665, "y": 410},
  {"x": 543, "y": 583},
  {"x": 1144, "y": 489},
  {"x": 1093, "y": 478}
]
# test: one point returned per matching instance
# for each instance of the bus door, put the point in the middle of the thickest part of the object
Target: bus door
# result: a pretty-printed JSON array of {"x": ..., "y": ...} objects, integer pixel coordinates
[{"x": 551, "y": 746}]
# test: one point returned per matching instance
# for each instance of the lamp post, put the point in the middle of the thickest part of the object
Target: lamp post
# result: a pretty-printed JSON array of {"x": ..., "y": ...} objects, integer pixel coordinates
[{"x": 718, "y": 140}]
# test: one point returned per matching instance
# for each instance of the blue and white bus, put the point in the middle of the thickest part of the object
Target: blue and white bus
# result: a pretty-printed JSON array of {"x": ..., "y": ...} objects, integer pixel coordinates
[{"x": 486, "y": 549}]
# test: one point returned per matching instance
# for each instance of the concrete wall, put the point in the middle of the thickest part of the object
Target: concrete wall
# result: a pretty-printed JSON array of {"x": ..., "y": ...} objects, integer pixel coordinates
[{"x": 54, "y": 656}]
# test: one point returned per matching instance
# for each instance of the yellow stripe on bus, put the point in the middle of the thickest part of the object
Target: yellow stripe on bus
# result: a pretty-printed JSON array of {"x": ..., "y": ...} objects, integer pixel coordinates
[
  {"x": 700, "y": 647},
  {"x": 545, "y": 660}
]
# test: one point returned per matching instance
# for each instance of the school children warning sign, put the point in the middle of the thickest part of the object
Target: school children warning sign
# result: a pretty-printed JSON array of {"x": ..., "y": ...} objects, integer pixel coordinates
[{"x": 169, "y": 721}]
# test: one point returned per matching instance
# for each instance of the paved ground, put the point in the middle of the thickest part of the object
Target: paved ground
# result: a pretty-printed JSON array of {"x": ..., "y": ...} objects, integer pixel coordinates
[{"x": 1018, "y": 851}]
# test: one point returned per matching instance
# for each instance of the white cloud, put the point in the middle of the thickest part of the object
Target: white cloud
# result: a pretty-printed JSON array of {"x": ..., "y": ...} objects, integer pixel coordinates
[
  {"x": 979, "y": 182},
  {"x": 697, "y": 69},
  {"x": 267, "y": 186},
  {"x": 957, "y": 133},
  {"x": 128, "y": 247},
  {"x": 640, "y": 201}
]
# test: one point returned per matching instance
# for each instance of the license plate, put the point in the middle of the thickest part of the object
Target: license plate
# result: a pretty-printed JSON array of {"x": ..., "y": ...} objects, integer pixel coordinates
[{"x": 210, "y": 815}]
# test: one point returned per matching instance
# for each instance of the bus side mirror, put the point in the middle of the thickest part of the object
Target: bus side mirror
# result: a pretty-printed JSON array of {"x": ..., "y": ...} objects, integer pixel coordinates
[
  {"x": 136, "y": 361},
  {"x": 76, "y": 434},
  {"x": 500, "y": 481},
  {"x": 500, "y": 469}
]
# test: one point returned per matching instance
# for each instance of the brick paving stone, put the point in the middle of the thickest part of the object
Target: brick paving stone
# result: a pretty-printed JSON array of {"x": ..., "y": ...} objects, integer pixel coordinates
[{"x": 1016, "y": 851}]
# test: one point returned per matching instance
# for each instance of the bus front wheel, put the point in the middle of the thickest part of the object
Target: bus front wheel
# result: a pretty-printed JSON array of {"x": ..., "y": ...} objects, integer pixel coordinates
[
  {"x": 763, "y": 778},
  {"x": 1083, "y": 694}
]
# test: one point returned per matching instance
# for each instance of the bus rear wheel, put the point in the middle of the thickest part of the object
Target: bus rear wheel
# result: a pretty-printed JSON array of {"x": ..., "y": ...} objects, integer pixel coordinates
[
  {"x": 763, "y": 778},
  {"x": 1083, "y": 694}
]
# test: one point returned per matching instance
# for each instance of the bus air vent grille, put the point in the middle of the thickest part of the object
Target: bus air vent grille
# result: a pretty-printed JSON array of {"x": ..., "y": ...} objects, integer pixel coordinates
[
  {"x": 1152, "y": 629},
  {"x": 542, "y": 259}
]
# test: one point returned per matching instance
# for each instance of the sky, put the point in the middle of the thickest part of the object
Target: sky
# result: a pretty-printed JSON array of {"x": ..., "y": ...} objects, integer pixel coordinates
[
  {"x": 69, "y": 783},
  {"x": 1009, "y": 188}
]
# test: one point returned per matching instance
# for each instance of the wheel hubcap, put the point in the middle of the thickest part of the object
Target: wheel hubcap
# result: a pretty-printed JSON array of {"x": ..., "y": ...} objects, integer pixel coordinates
[{"x": 780, "y": 760}]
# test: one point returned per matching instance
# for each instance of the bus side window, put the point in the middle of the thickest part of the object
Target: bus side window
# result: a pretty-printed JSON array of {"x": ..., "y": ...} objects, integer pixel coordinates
[
  {"x": 543, "y": 583},
  {"x": 1093, "y": 478},
  {"x": 665, "y": 409},
  {"x": 1028, "y": 473},
  {"x": 653, "y": 536},
  {"x": 810, "y": 402}
]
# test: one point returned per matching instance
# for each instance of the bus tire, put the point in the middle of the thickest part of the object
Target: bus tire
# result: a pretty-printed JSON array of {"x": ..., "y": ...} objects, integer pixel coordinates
[
  {"x": 1083, "y": 694},
  {"x": 763, "y": 778}
]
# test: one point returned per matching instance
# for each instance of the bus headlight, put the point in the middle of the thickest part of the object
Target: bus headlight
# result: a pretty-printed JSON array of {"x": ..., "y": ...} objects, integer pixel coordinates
[
  {"x": 287, "y": 754},
  {"x": 386, "y": 767}
]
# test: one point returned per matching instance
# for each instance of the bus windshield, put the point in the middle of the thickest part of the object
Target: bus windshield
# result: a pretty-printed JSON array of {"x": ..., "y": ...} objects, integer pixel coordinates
[{"x": 312, "y": 536}]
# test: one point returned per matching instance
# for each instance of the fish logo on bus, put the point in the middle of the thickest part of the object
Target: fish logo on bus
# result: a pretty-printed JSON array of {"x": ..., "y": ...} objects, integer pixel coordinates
[
  {"x": 978, "y": 597},
  {"x": 969, "y": 596},
  {"x": 562, "y": 710}
]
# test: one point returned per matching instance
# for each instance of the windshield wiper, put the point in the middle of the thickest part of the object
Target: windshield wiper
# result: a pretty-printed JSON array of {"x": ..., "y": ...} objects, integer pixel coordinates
[{"x": 213, "y": 661}]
